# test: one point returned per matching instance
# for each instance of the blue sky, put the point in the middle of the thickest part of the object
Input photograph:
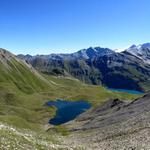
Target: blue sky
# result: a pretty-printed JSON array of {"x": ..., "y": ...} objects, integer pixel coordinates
[{"x": 64, "y": 26}]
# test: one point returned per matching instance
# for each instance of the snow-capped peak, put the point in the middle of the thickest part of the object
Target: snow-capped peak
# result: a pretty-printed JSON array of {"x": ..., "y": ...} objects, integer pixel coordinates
[
  {"x": 133, "y": 46},
  {"x": 141, "y": 51}
]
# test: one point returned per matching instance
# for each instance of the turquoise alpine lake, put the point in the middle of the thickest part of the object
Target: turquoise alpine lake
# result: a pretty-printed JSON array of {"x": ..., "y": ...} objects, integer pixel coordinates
[
  {"x": 67, "y": 110},
  {"x": 126, "y": 91}
]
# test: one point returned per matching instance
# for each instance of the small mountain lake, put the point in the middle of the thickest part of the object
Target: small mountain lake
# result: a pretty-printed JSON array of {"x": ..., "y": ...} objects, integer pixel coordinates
[
  {"x": 67, "y": 110},
  {"x": 126, "y": 91}
]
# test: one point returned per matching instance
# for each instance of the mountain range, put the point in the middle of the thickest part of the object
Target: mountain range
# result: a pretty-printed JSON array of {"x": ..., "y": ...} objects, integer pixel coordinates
[{"x": 130, "y": 69}]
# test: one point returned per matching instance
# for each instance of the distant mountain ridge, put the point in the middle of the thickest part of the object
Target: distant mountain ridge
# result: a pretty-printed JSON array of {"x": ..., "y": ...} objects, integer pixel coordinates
[
  {"x": 88, "y": 53},
  {"x": 129, "y": 69}
]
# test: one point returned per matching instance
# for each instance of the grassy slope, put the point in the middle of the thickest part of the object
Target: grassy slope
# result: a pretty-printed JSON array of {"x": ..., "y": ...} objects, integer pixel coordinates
[
  {"x": 72, "y": 89},
  {"x": 20, "y": 98}
]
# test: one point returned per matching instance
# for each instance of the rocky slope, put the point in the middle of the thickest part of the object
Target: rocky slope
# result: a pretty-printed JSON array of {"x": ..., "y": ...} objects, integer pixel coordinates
[
  {"x": 12, "y": 138},
  {"x": 115, "y": 125}
]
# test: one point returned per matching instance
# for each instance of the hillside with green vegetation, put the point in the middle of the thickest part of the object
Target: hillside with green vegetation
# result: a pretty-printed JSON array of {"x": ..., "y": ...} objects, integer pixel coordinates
[{"x": 24, "y": 91}]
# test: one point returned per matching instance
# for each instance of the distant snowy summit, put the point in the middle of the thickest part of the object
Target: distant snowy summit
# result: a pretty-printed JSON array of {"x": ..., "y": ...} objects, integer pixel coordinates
[
  {"x": 92, "y": 52},
  {"x": 141, "y": 51}
]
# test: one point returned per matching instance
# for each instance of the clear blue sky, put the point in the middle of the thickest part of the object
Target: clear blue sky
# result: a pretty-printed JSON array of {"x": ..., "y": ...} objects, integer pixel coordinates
[{"x": 57, "y": 26}]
